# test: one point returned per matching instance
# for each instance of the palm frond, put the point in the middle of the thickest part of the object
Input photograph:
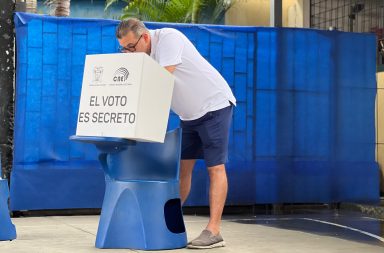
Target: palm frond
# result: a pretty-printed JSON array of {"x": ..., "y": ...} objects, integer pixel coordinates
[
  {"x": 180, "y": 11},
  {"x": 108, "y": 3},
  {"x": 146, "y": 10},
  {"x": 221, "y": 7},
  {"x": 213, "y": 11}
]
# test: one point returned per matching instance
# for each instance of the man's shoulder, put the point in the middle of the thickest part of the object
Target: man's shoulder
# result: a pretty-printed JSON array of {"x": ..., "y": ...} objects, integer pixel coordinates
[
  {"x": 169, "y": 30},
  {"x": 162, "y": 33},
  {"x": 167, "y": 34}
]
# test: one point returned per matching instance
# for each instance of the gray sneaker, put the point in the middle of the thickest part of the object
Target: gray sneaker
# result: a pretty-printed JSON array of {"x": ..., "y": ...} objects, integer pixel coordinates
[{"x": 206, "y": 240}]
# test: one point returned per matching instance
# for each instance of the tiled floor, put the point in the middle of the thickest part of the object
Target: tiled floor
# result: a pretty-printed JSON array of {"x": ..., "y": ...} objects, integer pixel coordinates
[{"x": 307, "y": 232}]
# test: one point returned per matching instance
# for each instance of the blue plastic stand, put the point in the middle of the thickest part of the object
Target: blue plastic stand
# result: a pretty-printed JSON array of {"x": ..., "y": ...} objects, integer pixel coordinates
[
  {"x": 141, "y": 208},
  {"x": 7, "y": 229}
]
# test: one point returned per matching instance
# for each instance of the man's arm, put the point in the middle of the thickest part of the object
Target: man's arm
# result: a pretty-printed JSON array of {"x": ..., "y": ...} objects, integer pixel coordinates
[{"x": 170, "y": 68}]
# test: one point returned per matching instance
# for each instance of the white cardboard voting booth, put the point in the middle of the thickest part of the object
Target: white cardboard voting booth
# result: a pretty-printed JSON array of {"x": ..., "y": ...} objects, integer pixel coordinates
[{"x": 124, "y": 95}]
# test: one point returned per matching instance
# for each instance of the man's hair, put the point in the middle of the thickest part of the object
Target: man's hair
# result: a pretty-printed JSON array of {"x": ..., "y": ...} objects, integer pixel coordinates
[{"x": 130, "y": 25}]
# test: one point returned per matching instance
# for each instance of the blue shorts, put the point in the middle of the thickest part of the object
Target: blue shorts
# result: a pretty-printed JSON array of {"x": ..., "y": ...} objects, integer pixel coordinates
[{"x": 207, "y": 137}]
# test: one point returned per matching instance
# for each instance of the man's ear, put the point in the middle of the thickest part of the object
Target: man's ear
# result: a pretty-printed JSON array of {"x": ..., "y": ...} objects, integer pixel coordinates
[{"x": 146, "y": 37}]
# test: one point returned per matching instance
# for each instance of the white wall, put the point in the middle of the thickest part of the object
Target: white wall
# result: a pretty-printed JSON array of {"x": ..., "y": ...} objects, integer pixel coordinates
[{"x": 256, "y": 13}]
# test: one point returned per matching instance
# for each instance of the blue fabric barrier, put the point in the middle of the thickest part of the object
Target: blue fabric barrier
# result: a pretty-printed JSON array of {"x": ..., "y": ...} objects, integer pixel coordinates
[{"x": 303, "y": 131}]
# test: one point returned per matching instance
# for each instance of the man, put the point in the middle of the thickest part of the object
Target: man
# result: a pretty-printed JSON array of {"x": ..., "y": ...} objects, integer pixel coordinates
[{"x": 203, "y": 101}]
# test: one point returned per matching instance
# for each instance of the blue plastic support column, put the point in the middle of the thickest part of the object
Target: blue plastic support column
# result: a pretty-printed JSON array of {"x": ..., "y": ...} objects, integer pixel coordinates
[
  {"x": 142, "y": 207},
  {"x": 7, "y": 229}
]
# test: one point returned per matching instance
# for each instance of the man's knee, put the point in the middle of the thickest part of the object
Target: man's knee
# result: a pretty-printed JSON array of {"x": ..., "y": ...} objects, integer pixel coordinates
[{"x": 217, "y": 169}]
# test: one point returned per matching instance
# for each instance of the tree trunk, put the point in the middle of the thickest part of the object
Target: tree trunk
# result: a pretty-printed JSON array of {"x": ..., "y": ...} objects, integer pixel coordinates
[
  {"x": 31, "y": 6},
  {"x": 6, "y": 84},
  {"x": 62, "y": 8}
]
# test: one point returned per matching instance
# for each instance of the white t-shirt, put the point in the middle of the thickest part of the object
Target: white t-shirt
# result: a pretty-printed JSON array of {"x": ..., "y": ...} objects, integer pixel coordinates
[{"x": 199, "y": 87}]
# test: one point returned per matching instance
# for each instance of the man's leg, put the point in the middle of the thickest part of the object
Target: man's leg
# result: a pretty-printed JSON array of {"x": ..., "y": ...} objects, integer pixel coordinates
[
  {"x": 214, "y": 134},
  {"x": 218, "y": 188},
  {"x": 186, "y": 168}
]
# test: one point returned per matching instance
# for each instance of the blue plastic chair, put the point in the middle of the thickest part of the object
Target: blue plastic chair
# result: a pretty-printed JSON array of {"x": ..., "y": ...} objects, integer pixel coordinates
[
  {"x": 7, "y": 229},
  {"x": 141, "y": 208}
]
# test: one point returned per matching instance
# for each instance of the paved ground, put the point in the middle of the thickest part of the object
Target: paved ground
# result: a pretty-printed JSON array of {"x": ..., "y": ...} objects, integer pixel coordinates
[{"x": 311, "y": 231}]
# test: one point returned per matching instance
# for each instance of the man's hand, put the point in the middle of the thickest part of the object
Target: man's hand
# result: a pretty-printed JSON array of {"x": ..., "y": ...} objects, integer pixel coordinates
[{"x": 170, "y": 68}]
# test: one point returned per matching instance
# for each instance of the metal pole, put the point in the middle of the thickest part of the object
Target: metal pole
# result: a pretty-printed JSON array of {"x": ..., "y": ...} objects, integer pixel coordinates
[
  {"x": 6, "y": 84},
  {"x": 276, "y": 13},
  {"x": 306, "y": 13},
  {"x": 351, "y": 19}
]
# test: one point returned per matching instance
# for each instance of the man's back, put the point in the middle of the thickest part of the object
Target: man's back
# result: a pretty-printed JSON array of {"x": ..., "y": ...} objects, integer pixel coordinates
[{"x": 199, "y": 87}]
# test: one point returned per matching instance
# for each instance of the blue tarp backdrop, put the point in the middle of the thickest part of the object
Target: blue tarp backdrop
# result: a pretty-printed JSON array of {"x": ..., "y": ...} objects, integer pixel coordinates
[{"x": 303, "y": 130}]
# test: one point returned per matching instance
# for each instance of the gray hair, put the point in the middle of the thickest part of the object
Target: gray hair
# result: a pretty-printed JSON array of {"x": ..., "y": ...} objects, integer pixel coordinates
[{"x": 130, "y": 25}]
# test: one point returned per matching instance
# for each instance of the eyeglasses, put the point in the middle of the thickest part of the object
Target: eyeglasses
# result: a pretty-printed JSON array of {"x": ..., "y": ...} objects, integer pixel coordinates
[{"x": 130, "y": 47}]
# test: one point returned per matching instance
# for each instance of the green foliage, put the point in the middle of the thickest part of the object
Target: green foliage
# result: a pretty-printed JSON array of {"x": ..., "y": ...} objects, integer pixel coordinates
[{"x": 175, "y": 11}]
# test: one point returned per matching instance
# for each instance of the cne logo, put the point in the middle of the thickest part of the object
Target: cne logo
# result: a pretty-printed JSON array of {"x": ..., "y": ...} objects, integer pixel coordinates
[{"x": 121, "y": 75}]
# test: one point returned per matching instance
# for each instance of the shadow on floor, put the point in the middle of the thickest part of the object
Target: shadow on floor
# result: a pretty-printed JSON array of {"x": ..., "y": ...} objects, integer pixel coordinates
[{"x": 334, "y": 223}]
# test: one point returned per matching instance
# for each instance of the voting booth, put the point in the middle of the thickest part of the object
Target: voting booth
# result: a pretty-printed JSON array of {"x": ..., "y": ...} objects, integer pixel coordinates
[
  {"x": 126, "y": 96},
  {"x": 124, "y": 109},
  {"x": 7, "y": 229}
]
